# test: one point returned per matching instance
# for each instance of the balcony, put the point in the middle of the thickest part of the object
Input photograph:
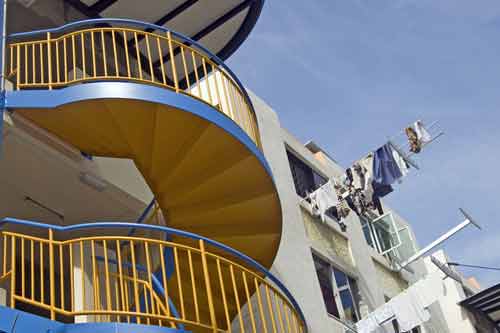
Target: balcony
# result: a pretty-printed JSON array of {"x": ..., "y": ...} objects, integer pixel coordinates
[
  {"x": 159, "y": 276},
  {"x": 110, "y": 50}
]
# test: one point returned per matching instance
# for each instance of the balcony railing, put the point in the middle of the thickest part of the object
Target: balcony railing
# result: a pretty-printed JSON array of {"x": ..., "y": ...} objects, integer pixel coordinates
[
  {"x": 165, "y": 277},
  {"x": 127, "y": 50}
]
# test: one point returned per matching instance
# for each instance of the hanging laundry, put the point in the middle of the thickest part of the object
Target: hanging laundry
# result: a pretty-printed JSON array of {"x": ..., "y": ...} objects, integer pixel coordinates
[
  {"x": 367, "y": 325},
  {"x": 358, "y": 175},
  {"x": 409, "y": 310},
  {"x": 348, "y": 178},
  {"x": 367, "y": 188},
  {"x": 378, "y": 205},
  {"x": 400, "y": 161},
  {"x": 413, "y": 140},
  {"x": 376, "y": 319},
  {"x": 385, "y": 169},
  {"x": 423, "y": 135},
  {"x": 383, "y": 313},
  {"x": 341, "y": 210},
  {"x": 322, "y": 199},
  {"x": 418, "y": 136},
  {"x": 380, "y": 191}
]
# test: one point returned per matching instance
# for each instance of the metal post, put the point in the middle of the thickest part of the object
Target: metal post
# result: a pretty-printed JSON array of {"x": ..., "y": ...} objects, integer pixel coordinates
[
  {"x": 468, "y": 220},
  {"x": 3, "y": 18},
  {"x": 207, "y": 285},
  {"x": 52, "y": 275}
]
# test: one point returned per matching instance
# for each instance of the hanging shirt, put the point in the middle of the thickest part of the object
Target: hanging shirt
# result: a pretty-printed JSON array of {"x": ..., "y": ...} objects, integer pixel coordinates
[
  {"x": 408, "y": 310},
  {"x": 322, "y": 199},
  {"x": 423, "y": 135},
  {"x": 374, "y": 320},
  {"x": 367, "y": 325},
  {"x": 403, "y": 167},
  {"x": 385, "y": 169},
  {"x": 415, "y": 145}
]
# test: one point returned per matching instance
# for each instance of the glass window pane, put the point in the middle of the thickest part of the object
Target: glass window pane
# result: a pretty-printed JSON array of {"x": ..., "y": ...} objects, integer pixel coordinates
[
  {"x": 367, "y": 232},
  {"x": 318, "y": 180},
  {"x": 323, "y": 271},
  {"x": 306, "y": 180},
  {"x": 340, "y": 278},
  {"x": 386, "y": 233},
  {"x": 408, "y": 247},
  {"x": 302, "y": 174},
  {"x": 348, "y": 305}
]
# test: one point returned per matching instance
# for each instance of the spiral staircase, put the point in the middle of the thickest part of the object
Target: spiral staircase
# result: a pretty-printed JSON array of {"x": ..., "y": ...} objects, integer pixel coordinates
[{"x": 190, "y": 128}]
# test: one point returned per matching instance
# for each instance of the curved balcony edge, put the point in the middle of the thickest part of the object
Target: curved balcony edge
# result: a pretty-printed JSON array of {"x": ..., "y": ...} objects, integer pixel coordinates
[
  {"x": 77, "y": 52},
  {"x": 127, "y": 22},
  {"x": 41, "y": 99},
  {"x": 210, "y": 252}
]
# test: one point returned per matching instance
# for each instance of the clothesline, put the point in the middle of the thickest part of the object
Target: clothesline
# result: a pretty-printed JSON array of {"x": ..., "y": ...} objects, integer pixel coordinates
[
  {"x": 403, "y": 155},
  {"x": 409, "y": 308},
  {"x": 434, "y": 135},
  {"x": 426, "y": 144},
  {"x": 369, "y": 179},
  {"x": 402, "y": 132}
]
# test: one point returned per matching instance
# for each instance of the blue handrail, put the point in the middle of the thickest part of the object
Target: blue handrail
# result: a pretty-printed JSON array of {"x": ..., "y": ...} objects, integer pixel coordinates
[
  {"x": 143, "y": 215},
  {"x": 167, "y": 230},
  {"x": 140, "y": 24}
]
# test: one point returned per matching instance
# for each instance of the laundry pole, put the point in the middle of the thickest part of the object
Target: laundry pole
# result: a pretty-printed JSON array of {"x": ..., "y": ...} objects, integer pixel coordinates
[{"x": 468, "y": 220}]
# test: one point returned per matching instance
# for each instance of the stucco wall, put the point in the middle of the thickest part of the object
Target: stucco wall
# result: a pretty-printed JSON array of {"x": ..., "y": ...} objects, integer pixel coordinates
[
  {"x": 391, "y": 282},
  {"x": 302, "y": 233},
  {"x": 326, "y": 238}
]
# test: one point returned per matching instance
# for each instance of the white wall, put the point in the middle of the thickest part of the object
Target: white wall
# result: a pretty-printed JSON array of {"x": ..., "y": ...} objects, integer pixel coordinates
[{"x": 446, "y": 314}]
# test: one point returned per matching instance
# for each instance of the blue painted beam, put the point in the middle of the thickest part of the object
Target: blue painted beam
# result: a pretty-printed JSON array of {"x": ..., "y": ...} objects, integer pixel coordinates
[
  {"x": 212, "y": 26},
  {"x": 50, "y": 99},
  {"x": 16, "y": 321},
  {"x": 101, "y": 5}
]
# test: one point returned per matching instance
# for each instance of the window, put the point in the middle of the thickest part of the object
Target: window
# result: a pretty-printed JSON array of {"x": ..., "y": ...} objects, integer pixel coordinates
[
  {"x": 340, "y": 292},
  {"x": 304, "y": 177},
  {"x": 383, "y": 234}
]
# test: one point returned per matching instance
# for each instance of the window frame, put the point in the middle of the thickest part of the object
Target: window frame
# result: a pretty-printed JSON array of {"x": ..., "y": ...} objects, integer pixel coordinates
[
  {"x": 315, "y": 174},
  {"x": 396, "y": 233},
  {"x": 336, "y": 289},
  {"x": 375, "y": 242}
]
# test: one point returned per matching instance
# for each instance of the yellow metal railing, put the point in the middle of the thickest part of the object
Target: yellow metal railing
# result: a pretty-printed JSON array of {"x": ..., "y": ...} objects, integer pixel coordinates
[
  {"x": 111, "y": 54},
  {"x": 112, "y": 279}
]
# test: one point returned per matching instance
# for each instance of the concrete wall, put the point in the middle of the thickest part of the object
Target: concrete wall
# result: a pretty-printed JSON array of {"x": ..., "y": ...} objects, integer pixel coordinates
[
  {"x": 303, "y": 233},
  {"x": 446, "y": 315},
  {"x": 293, "y": 264}
]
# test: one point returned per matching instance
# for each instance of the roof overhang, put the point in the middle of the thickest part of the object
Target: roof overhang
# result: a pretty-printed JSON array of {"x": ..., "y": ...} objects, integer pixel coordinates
[
  {"x": 486, "y": 302},
  {"x": 220, "y": 25}
]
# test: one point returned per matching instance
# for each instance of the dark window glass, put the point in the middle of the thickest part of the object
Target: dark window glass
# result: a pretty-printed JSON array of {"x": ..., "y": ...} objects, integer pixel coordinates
[
  {"x": 325, "y": 281},
  {"x": 340, "y": 277},
  {"x": 348, "y": 305},
  {"x": 306, "y": 180}
]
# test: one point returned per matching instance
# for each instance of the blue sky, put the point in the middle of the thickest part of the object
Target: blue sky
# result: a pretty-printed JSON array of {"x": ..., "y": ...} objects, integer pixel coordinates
[{"x": 350, "y": 73}]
